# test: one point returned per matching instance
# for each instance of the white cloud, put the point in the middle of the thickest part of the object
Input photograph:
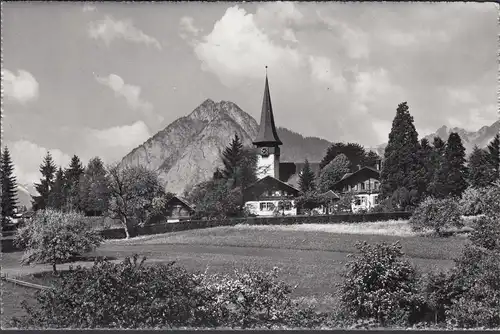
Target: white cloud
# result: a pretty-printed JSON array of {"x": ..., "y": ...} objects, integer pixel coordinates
[
  {"x": 28, "y": 156},
  {"x": 237, "y": 49},
  {"x": 323, "y": 71},
  {"x": 110, "y": 29},
  {"x": 22, "y": 87},
  {"x": 113, "y": 143},
  {"x": 188, "y": 28}
]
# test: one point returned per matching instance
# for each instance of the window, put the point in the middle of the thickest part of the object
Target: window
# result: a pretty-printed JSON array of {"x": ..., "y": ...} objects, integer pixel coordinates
[
  {"x": 267, "y": 206},
  {"x": 362, "y": 186},
  {"x": 288, "y": 206},
  {"x": 375, "y": 200},
  {"x": 357, "y": 201}
]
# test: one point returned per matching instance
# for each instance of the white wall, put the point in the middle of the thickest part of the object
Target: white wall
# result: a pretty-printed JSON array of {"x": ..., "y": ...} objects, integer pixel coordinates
[
  {"x": 254, "y": 208},
  {"x": 266, "y": 166},
  {"x": 367, "y": 202}
]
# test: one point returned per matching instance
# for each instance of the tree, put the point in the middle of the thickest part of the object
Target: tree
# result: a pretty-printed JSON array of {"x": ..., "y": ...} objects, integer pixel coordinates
[
  {"x": 306, "y": 178},
  {"x": 333, "y": 172},
  {"x": 133, "y": 190},
  {"x": 217, "y": 199},
  {"x": 57, "y": 198},
  {"x": 480, "y": 173},
  {"x": 231, "y": 157},
  {"x": 400, "y": 163},
  {"x": 309, "y": 201},
  {"x": 72, "y": 176},
  {"x": 425, "y": 172},
  {"x": 47, "y": 169},
  {"x": 94, "y": 192},
  {"x": 451, "y": 176},
  {"x": 8, "y": 182},
  {"x": 436, "y": 159},
  {"x": 55, "y": 237},
  {"x": 354, "y": 152},
  {"x": 370, "y": 160},
  {"x": 494, "y": 156}
]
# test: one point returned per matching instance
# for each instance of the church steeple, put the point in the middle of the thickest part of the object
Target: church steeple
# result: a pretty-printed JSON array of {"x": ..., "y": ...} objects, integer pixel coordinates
[{"x": 267, "y": 135}]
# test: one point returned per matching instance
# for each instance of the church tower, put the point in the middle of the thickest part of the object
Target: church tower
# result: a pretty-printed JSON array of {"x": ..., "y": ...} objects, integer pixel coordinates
[{"x": 267, "y": 141}]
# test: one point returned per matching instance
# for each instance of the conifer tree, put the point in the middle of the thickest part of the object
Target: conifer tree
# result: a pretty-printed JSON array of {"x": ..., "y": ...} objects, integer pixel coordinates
[
  {"x": 57, "y": 199},
  {"x": 400, "y": 163},
  {"x": 94, "y": 188},
  {"x": 47, "y": 169},
  {"x": 354, "y": 152},
  {"x": 9, "y": 185},
  {"x": 72, "y": 176},
  {"x": 480, "y": 173},
  {"x": 231, "y": 158},
  {"x": 306, "y": 179},
  {"x": 333, "y": 172},
  {"x": 425, "y": 172},
  {"x": 436, "y": 159},
  {"x": 494, "y": 156},
  {"x": 451, "y": 176}
]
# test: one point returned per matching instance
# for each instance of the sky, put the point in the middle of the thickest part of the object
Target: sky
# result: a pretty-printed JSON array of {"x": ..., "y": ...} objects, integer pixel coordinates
[{"x": 98, "y": 79}]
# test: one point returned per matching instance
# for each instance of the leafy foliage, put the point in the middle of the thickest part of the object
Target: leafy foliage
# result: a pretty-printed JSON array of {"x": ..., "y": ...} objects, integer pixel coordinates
[
  {"x": 333, "y": 172},
  {"x": 8, "y": 184},
  {"x": 472, "y": 201},
  {"x": 450, "y": 178},
  {"x": 132, "y": 191},
  {"x": 380, "y": 284},
  {"x": 94, "y": 192},
  {"x": 216, "y": 199},
  {"x": 309, "y": 201},
  {"x": 55, "y": 237},
  {"x": 486, "y": 232},
  {"x": 494, "y": 157},
  {"x": 481, "y": 173},
  {"x": 436, "y": 214},
  {"x": 306, "y": 178},
  {"x": 354, "y": 152}
]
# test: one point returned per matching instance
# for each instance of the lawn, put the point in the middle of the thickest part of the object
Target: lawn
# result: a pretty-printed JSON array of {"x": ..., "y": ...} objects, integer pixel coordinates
[
  {"x": 12, "y": 296},
  {"x": 311, "y": 257}
]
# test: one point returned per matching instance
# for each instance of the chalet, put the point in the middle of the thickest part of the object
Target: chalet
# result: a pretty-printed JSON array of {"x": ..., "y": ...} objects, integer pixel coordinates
[
  {"x": 178, "y": 209},
  {"x": 364, "y": 183}
]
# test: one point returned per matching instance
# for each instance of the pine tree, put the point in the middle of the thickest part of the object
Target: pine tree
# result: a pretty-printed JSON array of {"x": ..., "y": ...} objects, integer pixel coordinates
[
  {"x": 452, "y": 173},
  {"x": 306, "y": 179},
  {"x": 56, "y": 196},
  {"x": 333, "y": 172},
  {"x": 9, "y": 185},
  {"x": 231, "y": 158},
  {"x": 47, "y": 169},
  {"x": 436, "y": 159},
  {"x": 480, "y": 173},
  {"x": 72, "y": 176},
  {"x": 94, "y": 188},
  {"x": 494, "y": 156},
  {"x": 400, "y": 159},
  {"x": 425, "y": 171}
]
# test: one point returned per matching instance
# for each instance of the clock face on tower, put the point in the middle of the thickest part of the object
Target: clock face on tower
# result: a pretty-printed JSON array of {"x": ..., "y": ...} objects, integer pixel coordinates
[{"x": 264, "y": 151}]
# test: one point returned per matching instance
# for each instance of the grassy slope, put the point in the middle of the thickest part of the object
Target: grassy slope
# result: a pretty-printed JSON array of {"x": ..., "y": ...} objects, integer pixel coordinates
[{"x": 12, "y": 296}]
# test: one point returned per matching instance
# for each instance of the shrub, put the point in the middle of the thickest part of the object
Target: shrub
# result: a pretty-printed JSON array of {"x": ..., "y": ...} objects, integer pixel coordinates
[
  {"x": 379, "y": 284},
  {"x": 472, "y": 201},
  {"x": 55, "y": 237},
  {"x": 486, "y": 232},
  {"x": 436, "y": 214},
  {"x": 492, "y": 200}
]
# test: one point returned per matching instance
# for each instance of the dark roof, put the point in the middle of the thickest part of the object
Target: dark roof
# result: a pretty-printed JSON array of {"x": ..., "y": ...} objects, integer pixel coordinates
[
  {"x": 266, "y": 183},
  {"x": 289, "y": 169},
  {"x": 267, "y": 130},
  {"x": 183, "y": 201},
  {"x": 365, "y": 172}
]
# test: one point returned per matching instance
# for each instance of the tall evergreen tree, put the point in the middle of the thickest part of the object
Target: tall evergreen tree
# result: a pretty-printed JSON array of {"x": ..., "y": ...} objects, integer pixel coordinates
[
  {"x": 451, "y": 177},
  {"x": 306, "y": 179},
  {"x": 72, "y": 176},
  {"x": 9, "y": 185},
  {"x": 480, "y": 173},
  {"x": 370, "y": 160},
  {"x": 94, "y": 188},
  {"x": 231, "y": 158},
  {"x": 494, "y": 156},
  {"x": 400, "y": 162},
  {"x": 57, "y": 198},
  {"x": 333, "y": 172},
  {"x": 436, "y": 159},
  {"x": 47, "y": 169},
  {"x": 425, "y": 172}
]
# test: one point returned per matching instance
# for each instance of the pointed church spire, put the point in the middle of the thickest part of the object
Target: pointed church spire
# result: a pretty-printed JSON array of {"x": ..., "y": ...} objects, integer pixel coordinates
[{"x": 267, "y": 135}]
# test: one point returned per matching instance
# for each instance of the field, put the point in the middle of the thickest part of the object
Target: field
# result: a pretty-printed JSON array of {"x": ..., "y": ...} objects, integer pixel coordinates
[{"x": 311, "y": 257}]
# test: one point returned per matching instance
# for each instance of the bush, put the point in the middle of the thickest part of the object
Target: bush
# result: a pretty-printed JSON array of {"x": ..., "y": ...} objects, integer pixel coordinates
[
  {"x": 379, "y": 284},
  {"x": 55, "y": 237},
  {"x": 472, "y": 201},
  {"x": 492, "y": 200},
  {"x": 436, "y": 214},
  {"x": 486, "y": 232}
]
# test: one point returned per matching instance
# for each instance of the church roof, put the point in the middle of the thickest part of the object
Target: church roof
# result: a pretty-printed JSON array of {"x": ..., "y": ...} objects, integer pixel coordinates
[{"x": 267, "y": 130}]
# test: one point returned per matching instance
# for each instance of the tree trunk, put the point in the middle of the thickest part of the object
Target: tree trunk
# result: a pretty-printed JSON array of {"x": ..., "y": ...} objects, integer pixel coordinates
[
  {"x": 54, "y": 269},
  {"x": 125, "y": 226}
]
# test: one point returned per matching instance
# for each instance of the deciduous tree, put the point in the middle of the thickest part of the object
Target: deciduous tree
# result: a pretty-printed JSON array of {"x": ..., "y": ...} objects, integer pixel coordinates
[{"x": 333, "y": 172}]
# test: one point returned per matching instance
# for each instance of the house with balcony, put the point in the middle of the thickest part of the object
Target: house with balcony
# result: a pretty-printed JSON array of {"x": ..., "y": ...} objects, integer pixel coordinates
[{"x": 364, "y": 183}]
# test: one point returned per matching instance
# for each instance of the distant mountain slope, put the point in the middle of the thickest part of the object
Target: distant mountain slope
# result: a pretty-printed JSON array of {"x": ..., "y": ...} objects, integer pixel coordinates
[
  {"x": 481, "y": 137},
  {"x": 188, "y": 150},
  {"x": 24, "y": 193}
]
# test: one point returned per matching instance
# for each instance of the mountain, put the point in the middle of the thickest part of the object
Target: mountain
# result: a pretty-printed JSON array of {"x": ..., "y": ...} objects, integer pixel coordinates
[
  {"x": 481, "y": 137},
  {"x": 24, "y": 193},
  {"x": 188, "y": 150}
]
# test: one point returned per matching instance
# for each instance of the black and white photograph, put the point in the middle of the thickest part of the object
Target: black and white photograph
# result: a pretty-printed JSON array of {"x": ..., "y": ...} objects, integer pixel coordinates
[{"x": 250, "y": 165}]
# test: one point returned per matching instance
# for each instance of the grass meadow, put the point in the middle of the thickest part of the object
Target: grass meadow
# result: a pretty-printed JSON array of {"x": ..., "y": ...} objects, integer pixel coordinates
[{"x": 311, "y": 257}]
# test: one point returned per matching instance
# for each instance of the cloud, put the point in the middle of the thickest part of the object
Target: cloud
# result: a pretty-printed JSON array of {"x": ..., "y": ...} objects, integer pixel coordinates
[
  {"x": 187, "y": 28},
  {"x": 28, "y": 156},
  {"x": 323, "y": 71},
  {"x": 22, "y": 87},
  {"x": 237, "y": 49},
  {"x": 132, "y": 94},
  {"x": 113, "y": 143},
  {"x": 110, "y": 29}
]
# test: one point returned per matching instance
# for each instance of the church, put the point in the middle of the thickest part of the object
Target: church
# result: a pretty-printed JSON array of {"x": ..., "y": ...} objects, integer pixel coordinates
[{"x": 274, "y": 193}]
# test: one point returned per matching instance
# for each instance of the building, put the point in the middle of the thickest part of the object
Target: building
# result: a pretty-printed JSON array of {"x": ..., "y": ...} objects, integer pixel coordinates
[
  {"x": 271, "y": 194},
  {"x": 178, "y": 208},
  {"x": 364, "y": 183}
]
